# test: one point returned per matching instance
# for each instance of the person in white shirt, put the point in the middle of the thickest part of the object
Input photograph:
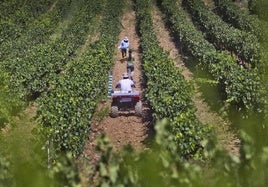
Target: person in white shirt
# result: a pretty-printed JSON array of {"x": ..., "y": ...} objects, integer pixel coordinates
[
  {"x": 124, "y": 45},
  {"x": 125, "y": 84}
]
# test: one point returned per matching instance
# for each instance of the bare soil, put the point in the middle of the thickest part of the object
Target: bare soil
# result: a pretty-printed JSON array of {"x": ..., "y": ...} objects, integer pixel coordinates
[{"x": 127, "y": 128}]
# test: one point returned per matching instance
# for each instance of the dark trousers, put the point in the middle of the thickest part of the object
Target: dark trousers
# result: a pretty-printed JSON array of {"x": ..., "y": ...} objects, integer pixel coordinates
[{"x": 124, "y": 53}]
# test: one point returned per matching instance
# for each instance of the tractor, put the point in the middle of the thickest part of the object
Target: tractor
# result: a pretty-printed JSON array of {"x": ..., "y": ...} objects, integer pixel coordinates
[{"x": 126, "y": 101}]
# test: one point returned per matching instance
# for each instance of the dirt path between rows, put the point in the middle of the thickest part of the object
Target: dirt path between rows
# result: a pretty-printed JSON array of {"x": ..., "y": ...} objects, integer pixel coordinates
[
  {"x": 127, "y": 128},
  {"x": 227, "y": 138}
]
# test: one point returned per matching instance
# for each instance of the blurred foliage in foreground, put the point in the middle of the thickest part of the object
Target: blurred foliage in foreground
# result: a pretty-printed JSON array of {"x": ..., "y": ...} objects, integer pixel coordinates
[{"x": 160, "y": 166}]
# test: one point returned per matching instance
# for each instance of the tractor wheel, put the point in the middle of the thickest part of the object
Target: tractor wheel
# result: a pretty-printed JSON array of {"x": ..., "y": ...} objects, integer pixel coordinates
[
  {"x": 138, "y": 108},
  {"x": 114, "y": 111}
]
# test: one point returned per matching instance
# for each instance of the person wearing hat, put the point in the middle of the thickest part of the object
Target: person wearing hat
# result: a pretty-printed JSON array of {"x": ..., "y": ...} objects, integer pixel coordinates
[
  {"x": 125, "y": 84},
  {"x": 124, "y": 45}
]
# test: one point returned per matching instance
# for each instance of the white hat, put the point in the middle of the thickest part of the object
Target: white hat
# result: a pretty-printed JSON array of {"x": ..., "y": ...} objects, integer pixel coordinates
[
  {"x": 126, "y": 39},
  {"x": 125, "y": 75}
]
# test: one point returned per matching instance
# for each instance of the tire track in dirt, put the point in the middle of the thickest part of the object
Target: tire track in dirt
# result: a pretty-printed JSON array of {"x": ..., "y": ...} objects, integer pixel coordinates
[
  {"x": 225, "y": 136},
  {"x": 127, "y": 128}
]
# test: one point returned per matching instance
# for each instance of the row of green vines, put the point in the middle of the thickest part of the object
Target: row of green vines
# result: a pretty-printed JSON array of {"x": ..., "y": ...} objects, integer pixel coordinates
[
  {"x": 66, "y": 110},
  {"x": 16, "y": 15},
  {"x": 72, "y": 93},
  {"x": 238, "y": 18},
  {"x": 15, "y": 39},
  {"x": 240, "y": 87},
  {"x": 167, "y": 91},
  {"x": 25, "y": 62},
  {"x": 224, "y": 36}
]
